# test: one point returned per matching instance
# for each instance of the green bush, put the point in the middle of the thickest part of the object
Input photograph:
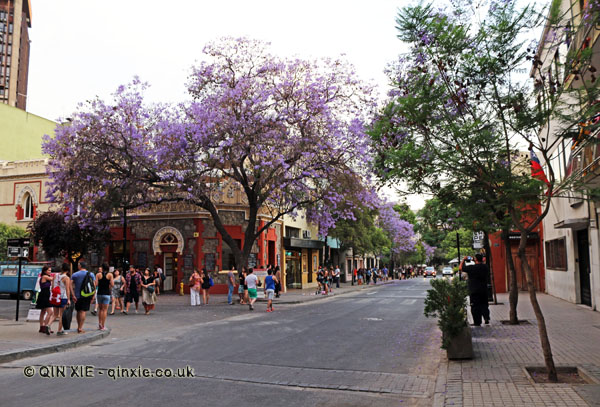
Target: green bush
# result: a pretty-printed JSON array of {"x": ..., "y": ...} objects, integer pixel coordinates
[{"x": 447, "y": 300}]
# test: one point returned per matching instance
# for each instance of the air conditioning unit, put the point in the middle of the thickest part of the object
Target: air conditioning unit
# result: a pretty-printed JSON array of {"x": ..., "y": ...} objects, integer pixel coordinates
[{"x": 306, "y": 234}]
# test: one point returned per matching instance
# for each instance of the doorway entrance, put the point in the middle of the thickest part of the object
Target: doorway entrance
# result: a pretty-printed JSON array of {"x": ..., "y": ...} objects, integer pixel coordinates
[
  {"x": 583, "y": 251},
  {"x": 170, "y": 270}
]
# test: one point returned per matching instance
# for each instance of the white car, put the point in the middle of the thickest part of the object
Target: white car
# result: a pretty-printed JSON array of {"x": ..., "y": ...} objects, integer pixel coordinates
[{"x": 447, "y": 271}]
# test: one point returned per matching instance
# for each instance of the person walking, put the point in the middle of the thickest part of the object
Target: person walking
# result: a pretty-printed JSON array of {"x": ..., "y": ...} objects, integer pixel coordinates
[
  {"x": 133, "y": 288},
  {"x": 241, "y": 283},
  {"x": 148, "y": 291},
  {"x": 64, "y": 282},
  {"x": 82, "y": 304},
  {"x": 230, "y": 286},
  {"x": 94, "y": 299},
  {"x": 195, "y": 281},
  {"x": 477, "y": 274},
  {"x": 252, "y": 283},
  {"x": 205, "y": 285},
  {"x": 336, "y": 276},
  {"x": 156, "y": 281},
  {"x": 117, "y": 291},
  {"x": 277, "y": 275},
  {"x": 43, "y": 300},
  {"x": 105, "y": 284},
  {"x": 270, "y": 282}
]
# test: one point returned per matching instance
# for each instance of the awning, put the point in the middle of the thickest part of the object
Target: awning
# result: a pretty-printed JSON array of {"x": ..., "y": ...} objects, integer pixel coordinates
[
  {"x": 576, "y": 223},
  {"x": 290, "y": 242}
]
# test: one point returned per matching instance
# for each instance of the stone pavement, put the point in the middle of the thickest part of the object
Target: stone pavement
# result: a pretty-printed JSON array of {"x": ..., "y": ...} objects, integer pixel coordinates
[
  {"x": 496, "y": 376},
  {"x": 21, "y": 339}
]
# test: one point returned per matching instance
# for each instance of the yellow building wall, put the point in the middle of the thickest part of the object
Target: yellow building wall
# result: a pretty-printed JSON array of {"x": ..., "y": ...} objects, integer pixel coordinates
[{"x": 21, "y": 134}]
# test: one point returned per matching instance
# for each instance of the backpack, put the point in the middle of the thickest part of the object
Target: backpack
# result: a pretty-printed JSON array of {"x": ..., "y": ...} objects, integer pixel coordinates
[
  {"x": 55, "y": 297},
  {"x": 88, "y": 288}
]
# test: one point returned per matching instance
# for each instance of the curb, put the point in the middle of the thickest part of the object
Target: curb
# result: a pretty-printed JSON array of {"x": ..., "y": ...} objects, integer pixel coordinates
[{"x": 53, "y": 348}]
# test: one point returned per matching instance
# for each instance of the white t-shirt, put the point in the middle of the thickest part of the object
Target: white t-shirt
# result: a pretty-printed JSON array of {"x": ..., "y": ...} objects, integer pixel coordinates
[
  {"x": 251, "y": 281},
  {"x": 337, "y": 272}
]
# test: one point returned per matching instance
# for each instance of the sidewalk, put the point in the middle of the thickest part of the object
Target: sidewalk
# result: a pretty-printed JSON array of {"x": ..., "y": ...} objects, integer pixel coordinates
[
  {"x": 20, "y": 339},
  {"x": 496, "y": 376}
]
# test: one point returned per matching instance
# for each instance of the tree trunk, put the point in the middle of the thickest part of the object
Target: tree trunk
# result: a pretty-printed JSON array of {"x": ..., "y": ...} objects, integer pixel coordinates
[
  {"x": 513, "y": 296},
  {"x": 545, "y": 341}
]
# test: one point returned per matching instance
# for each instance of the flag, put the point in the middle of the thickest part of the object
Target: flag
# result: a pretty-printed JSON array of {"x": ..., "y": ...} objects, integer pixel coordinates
[{"x": 536, "y": 169}]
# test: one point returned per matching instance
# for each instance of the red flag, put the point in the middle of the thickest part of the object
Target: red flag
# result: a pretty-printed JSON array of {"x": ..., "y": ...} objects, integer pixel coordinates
[{"x": 536, "y": 169}]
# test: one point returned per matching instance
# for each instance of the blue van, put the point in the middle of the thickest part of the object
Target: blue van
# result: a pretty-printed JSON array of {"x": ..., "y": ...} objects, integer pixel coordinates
[{"x": 9, "y": 276}]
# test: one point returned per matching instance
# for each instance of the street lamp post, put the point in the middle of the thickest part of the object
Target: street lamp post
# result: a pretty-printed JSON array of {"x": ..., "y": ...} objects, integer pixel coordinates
[{"x": 458, "y": 248}]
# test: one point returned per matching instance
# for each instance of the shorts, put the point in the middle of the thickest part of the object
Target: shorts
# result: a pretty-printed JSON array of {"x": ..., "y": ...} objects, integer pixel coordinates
[
  {"x": 241, "y": 289},
  {"x": 83, "y": 304},
  {"x": 132, "y": 297},
  {"x": 63, "y": 303},
  {"x": 270, "y": 294},
  {"x": 252, "y": 293},
  {"x": 103, "y": 299}
]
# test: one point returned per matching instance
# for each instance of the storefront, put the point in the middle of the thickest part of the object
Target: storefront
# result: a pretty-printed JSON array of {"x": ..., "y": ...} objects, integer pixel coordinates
[{"x": 303, "y": 257}]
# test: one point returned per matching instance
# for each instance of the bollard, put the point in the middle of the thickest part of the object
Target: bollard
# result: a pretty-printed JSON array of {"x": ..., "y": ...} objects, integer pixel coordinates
[{"x": 180, "y": 288}]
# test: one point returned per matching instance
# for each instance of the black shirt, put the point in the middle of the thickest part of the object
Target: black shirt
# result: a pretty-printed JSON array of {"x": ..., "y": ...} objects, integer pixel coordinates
[{"x": 478, "y": 277}]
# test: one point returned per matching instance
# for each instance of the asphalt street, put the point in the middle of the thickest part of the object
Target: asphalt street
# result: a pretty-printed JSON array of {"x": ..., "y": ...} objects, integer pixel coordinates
[{"x": 371, "y": 347}]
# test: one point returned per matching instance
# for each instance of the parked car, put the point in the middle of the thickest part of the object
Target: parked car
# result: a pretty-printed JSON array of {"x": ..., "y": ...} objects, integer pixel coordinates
[
  {"x": 429, "y": 271},
  {"x": 447, "y": 271},
  {"x": 9, "y": 279}
]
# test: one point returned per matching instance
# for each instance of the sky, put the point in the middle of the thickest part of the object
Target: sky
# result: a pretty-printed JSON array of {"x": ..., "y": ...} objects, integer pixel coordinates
[{"x": 82, "y": 49}]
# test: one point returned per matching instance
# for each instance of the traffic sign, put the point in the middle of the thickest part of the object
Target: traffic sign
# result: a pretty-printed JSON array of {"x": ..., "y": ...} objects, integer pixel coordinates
[
  {"x": 478, "y": 240},
  {"x": 18, "y": 247}
]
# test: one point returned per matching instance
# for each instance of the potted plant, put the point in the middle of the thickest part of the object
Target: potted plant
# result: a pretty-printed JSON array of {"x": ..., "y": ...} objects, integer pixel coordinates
[{"x": 447, "y": 300}]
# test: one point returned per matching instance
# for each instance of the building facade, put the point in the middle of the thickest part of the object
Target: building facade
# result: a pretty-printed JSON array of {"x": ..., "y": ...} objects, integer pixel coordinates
[
  {"x": 571, "y": 234},
  {"x": 15, "y": 21}
]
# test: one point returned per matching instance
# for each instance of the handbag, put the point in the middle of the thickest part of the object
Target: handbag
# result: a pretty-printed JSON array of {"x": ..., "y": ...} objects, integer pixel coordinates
[
  {"x": 210, "y": 281},
  {"x": 150, "y": 289}
]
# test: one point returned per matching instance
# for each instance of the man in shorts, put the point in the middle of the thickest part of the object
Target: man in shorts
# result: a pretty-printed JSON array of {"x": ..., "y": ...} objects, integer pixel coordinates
[
  {"x": 270, "y": 282},
  {"x": 82, "y": 304},
  {"x": 251, "y": 282}
]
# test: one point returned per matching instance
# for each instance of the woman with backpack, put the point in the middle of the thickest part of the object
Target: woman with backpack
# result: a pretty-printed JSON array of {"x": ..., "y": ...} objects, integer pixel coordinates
[
  {"x": 43, "y": 300},
  {"x": 104, "y": 281},
  {"x": 148, "y": 289},
  {"x": 206, "y": 284}
]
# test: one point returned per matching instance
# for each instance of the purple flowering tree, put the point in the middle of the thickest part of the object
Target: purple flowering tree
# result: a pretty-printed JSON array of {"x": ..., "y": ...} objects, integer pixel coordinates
[{"x": 289, "y": 134}]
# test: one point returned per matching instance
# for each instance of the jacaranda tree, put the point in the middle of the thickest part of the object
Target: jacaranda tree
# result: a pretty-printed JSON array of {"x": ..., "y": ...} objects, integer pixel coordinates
[{"x": 288, "y": 133}]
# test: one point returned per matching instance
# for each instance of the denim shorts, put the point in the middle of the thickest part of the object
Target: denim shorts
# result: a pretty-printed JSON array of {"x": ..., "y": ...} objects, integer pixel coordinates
[{"x": 103, "y": 299}]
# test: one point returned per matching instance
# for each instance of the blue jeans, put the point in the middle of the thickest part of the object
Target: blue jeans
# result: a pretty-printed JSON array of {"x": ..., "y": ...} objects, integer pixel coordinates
[{"x": 230, "y": 294}]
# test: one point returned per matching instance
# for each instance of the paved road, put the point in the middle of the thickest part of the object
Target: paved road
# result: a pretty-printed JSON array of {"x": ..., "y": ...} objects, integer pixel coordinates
[{"x": 372, "y": 347}]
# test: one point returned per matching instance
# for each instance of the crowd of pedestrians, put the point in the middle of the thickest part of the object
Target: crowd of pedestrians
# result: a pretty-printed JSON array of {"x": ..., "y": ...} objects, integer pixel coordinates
[
  {"x": 60, "y": 293},
  {"x": 117, "y": 290}
]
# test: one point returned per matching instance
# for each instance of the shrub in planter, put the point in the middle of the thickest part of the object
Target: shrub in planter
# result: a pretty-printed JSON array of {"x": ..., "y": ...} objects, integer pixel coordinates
[{"x": 447, "y": 300}]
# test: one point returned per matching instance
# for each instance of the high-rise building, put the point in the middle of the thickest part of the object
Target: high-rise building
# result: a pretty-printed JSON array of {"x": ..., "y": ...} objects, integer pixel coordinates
[{"x": 15, "y": 21}]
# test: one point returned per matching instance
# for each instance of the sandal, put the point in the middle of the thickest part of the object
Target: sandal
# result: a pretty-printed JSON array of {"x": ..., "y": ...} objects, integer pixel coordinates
[{"x": 112, "y": 313}]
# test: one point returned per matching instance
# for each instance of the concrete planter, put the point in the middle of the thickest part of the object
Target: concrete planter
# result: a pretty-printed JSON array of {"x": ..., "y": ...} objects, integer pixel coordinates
[{"x": 461, "y": 346}]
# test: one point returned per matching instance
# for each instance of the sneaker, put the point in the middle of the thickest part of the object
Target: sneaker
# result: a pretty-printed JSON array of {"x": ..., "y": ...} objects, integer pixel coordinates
[
  {"x": 94, "y": 312},
  {"x": 487, "y": 322},
  {"x": 251, "y": 308},
  {"x": 61, "y": 333}
]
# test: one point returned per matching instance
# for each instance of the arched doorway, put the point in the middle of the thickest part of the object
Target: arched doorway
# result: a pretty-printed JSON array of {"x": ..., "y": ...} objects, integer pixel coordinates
[{"x": 168, "y": 245}]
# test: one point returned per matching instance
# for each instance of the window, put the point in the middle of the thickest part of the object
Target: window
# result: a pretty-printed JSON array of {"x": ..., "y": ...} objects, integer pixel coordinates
[
  {"x": 28, "y": 207},
  {"x": 556, "y": 254},
  {"x": 292, "y": 232}
]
